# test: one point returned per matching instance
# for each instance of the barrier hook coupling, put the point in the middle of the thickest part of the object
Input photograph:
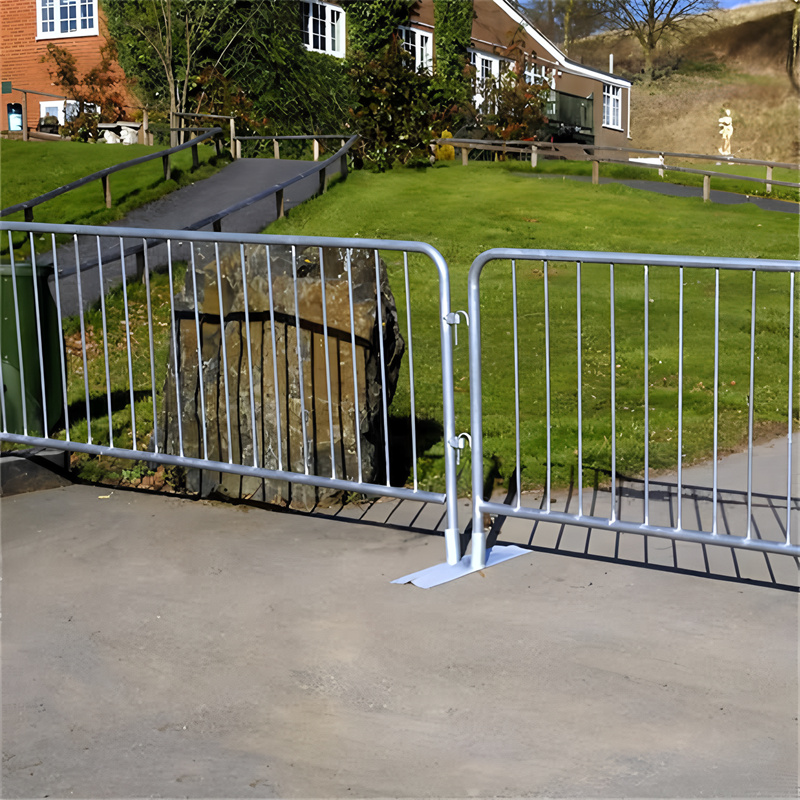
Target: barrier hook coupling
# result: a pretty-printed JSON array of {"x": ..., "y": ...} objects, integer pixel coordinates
[
  {"x": 453, "y": 319},
  {"x": 457, "y": 443}
]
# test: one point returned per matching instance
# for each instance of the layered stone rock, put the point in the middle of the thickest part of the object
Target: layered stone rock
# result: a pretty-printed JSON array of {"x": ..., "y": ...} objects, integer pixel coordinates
[{"x": 285, "y": 423}]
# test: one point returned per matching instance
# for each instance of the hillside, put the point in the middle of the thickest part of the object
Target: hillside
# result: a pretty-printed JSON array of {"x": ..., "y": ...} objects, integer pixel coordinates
[{"x": 736, "y": 59}]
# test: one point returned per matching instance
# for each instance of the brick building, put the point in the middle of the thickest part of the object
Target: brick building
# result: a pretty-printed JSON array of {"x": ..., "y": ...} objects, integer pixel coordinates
[{"x": 27, "y": 27}]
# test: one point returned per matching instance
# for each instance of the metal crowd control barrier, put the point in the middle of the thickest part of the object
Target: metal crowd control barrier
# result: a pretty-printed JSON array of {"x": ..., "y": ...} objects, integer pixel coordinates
[
  {"x": 560, "y": 314},
  {"x": 296, "y": 331}
]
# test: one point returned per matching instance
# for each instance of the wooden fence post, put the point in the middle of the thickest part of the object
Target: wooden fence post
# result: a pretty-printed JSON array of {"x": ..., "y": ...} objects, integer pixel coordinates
[
  {"x": 534, "y": 156},
  {"x": 195, "y": 157},
  {"x": 769, "y": 178},
  {"x": 316, "y": 149},
  {"x": 279, "y": 203},
  {"x": 276, "y": 148},
  {"x": 706, "y": 188},
  {"x": 25, "y": 117},
  {"x": 233, "y": 138},
  {"x": 595, "y": 172},
  {"x": 464, "y": 155},
  {"x": 167, "y": 171},
  {"x": 661, "y": 171},
  {"x": 238, "y": 149},
  {"x": 106, "y": 190}
]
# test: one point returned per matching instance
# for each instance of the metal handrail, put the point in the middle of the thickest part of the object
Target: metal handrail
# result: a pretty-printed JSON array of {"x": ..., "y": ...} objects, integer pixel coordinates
[{"x": 104, "y": 173}]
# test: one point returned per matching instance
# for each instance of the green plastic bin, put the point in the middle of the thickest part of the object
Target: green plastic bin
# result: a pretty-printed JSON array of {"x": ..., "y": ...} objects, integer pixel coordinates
[{"x": 31, "y": 367}]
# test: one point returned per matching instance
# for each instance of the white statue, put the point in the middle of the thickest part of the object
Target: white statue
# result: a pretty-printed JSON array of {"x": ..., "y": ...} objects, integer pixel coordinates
[
  {"x": 129, "y": 136},
  {"x": 110, "y": 137},
  {"x": 726, "y": 131}
]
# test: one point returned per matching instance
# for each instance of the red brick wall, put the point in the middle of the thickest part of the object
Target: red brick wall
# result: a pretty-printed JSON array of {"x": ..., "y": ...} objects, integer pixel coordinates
[{"x": 21, "y": 56}]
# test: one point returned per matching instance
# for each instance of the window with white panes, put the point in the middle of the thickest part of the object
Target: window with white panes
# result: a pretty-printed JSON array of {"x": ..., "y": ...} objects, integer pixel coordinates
[
  {"x": 612, "y": 106},
  {"x": 418, "y": 44},
  {"x": 56, "y": 19},
  {"x": 323, "y": 28}
]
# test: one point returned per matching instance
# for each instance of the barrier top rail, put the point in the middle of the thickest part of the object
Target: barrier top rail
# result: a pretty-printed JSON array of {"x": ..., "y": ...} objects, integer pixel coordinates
[{"x": 107, "y": 171}]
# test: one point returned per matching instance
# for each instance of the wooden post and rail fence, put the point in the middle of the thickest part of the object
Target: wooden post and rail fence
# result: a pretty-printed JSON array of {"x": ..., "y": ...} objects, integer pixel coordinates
[{"x": 580, "y": 152}]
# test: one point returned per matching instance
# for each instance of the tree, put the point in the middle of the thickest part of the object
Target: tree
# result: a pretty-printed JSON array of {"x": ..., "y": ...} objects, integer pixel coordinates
[
  {"x": 793, "y": 55},
  {"x": 161, "y": 43},
  {"x": 95, "y": 92},
  {"x": 563, "y": 21},
  {"x": 649, "y": 20}
]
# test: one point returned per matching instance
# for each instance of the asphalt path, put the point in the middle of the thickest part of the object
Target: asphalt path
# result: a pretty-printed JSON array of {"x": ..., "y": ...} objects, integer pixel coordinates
[
  {"x": 239, "y": 180},
  {"x": 676, "y": 190}
]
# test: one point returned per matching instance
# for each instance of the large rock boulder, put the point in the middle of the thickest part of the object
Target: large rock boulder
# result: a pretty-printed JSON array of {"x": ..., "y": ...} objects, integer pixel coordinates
[{"x": 281, "y": 330}]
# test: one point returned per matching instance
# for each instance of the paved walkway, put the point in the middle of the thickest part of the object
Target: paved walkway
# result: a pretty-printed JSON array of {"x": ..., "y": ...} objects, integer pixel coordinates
[
  {"x": 237, "y": 181},
  {"x": 677, "y": 190},
  {"x": 156, "y": 646}
]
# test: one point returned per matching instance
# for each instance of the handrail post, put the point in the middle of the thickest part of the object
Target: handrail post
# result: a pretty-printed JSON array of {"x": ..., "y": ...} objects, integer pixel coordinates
[
  {"x": 769, "y": 179},
  {"x": 595, "y": 171},
  {"x": 28, "y": 214},
  {"x": 323, "y": 181},
  {"x": 217, "y": 225},
  {"x": 233, "y": 139},
  {"x": 343, "y": 167},
  {"x": 279, "y": 203},
  {"x": 195, "y": 157},
  {"x": 140, "y": 266},
  {"x": 706, "y": 188},
  {"x": 276, "y": 148},
  {"x": 106, "y": 190},
  {"x": 167, "y": 170},
  {"x": 25, "y": 117},
  {"x": 316, "y": 149}
]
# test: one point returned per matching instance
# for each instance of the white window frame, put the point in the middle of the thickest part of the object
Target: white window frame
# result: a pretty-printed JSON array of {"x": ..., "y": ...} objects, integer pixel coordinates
[
  {"x": 66, "y": 19},
  {"x": 322, "y": 27},
  {"x": 419, "y": 44},
  {"x": 612, "y": 106},
  {"x": 486, "y": 65}
]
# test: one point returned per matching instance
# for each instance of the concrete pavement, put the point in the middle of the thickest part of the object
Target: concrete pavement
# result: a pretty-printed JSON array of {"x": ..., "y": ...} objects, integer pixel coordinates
[{"x": 156, "y": 646}]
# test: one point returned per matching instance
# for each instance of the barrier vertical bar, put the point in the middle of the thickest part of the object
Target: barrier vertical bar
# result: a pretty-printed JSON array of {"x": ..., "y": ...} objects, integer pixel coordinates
[
  {"x": 57, "y": 292},
  {"x": 357, "y": 413},
  {"x": 613, "y": 396},
  {"x": 327, "y": 359},
  {"x": 37, "y": 314},
  {"x": 549, "y": 476},
  {"x": 411, "y": 375},
  {"x": 300, "y": 362},
  {"x": 789, "y": 414},
  {"x": 478, "y": 556},
  {"x": 579, "y": 326},
  {"x": 515, "y": 324},
  {"x": 173, "y": 319},
  {"x": 646, "y": 366},
  {"x": 83, "y": 339},
  {"x": 750, "y": 405},
  {"x": 222, "y": 336},
  {"x": 105, "y": 340},
  {"x": 17, "y": 320},
  {"x": 200, "y": 377},
  {"x": 275, "y": 359},
  {"x": 150, "y": 341},
  {"x": 714, "y": 492},
  {"x": 128, "y": 341},
  {"x": 680, "y": 399},
  {"x": 385, "y": 405},
  {"x": 253, "y": 432}
]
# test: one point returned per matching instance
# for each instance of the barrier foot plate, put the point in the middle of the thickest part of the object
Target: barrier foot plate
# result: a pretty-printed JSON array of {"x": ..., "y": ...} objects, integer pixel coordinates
[{"x": 444, "y": 573}]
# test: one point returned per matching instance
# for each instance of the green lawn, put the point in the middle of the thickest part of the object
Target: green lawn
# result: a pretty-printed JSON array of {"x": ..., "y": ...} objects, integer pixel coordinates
[
  {"x": 463, "y": 211},
  {"x": 29, "y": 169}
]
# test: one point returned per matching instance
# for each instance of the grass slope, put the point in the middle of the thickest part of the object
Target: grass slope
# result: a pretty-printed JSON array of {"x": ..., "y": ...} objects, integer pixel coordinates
[
  {"x": 29, "y": 169},
  {"x": 735, "y": 59}
]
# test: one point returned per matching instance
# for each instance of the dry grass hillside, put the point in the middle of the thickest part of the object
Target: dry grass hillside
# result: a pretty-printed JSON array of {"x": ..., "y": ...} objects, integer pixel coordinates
[{"x": 736, "y": 59}]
